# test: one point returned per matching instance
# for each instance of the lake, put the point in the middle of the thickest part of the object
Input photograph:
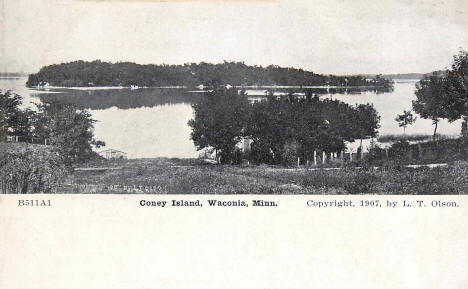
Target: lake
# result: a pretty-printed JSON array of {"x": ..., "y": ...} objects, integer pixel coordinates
[{"x": 150, "y": 122}]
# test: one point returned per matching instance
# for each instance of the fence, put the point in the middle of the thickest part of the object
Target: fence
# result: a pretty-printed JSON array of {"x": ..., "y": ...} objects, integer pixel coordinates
[
  {"x": 442, "y": 151},
  {"x": 322, "y": 158},
  {"x": 25, "y": 139}
]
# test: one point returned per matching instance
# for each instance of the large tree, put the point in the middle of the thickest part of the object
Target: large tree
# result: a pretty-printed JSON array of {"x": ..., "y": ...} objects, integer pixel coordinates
[
  {"x": 219, "y": 122},
  {"x": 68, "y": 128},
  {"x": 431, "y": 99},
  {"x": 267, "y": 129},
  {"x": 446, "y": 95},
  {"x": 456, "y": 88}
]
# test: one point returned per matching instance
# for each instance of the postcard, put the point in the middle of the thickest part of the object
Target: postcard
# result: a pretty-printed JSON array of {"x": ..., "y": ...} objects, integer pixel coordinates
[{"x": 244, "y": 144}]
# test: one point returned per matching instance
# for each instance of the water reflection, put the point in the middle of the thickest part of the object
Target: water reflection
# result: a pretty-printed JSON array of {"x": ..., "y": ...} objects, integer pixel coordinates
[{"x": 120, "y": 98}]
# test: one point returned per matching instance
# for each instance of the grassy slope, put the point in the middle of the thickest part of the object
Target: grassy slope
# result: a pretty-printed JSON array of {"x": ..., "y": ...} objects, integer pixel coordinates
[{"x": 169, "y": 176}]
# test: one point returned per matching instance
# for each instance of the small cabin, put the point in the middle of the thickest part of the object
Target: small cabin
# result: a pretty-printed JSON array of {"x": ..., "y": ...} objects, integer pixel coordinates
[{"x": 113, "y": 154}]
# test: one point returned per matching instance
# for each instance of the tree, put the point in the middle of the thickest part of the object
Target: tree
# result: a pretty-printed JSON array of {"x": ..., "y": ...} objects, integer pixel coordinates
[
  {"x": 274, "y": 127},
  {"x": 446, "y": 95},
  {"x": 68, "y": 128},
  {"x": 456, "y": 88},
  {"x": 313, "y": 128},
  {"x": 405, "y": 119},
  {"x": 365, "y": 123},
  {"x": 13, "y": 120},
  {"x": 464, "y": 129},
  {"x": 431, "y": 100},
  {"x": 328, "y": 124},
  {"x": 219, "y": 122}
]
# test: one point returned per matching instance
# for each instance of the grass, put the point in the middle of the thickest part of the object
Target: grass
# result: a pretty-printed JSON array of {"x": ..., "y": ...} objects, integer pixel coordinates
[{"x": 191, "y": 176}]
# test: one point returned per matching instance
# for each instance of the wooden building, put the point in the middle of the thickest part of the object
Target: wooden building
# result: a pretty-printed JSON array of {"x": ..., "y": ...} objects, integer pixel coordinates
[{"x": 113, "y": 154}]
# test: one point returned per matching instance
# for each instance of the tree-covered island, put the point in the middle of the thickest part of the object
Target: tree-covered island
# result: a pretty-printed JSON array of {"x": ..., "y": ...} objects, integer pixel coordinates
[{"x": 98, "y": 73}]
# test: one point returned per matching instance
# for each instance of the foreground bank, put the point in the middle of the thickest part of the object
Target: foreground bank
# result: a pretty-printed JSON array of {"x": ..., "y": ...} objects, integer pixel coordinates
[{"x": 191, "y": 176}]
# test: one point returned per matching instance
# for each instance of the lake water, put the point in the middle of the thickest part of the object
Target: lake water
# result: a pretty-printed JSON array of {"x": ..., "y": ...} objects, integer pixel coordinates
[{"x": 147, "y": 123}]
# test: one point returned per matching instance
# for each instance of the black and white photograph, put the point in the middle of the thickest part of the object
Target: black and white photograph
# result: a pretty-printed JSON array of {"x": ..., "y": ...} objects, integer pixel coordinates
[
  {"x": 233, "y": 144},
  {"x": 234, "y": 97}
]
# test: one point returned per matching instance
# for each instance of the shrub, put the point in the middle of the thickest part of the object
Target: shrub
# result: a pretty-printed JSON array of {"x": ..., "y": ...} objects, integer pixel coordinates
[
  {"x": 375, "y": 155},
  {"x": 290, "y": 154},
  {"x": 399, "y": 151},
  {"x": 31, "y": 169}
]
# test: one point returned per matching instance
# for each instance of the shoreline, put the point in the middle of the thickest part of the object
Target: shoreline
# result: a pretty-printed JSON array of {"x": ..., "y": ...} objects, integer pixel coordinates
[
  {"x": 41, "y": 88},
  {"x": 201, "y": 90}
]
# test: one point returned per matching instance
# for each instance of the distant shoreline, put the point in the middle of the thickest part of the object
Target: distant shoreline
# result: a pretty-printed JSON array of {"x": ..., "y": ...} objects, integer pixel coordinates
[
  {"x": 201, "y": 90},
  {"x": 103, "y": 87}
]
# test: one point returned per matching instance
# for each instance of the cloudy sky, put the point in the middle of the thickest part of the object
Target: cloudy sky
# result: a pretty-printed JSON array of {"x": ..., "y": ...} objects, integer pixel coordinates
[{"x": 333, "y": 36}]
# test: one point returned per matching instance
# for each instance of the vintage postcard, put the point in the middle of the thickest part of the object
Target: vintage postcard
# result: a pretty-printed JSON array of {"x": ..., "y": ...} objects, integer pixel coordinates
[
  {"x": 243, "y": 97},
  {"x": 244, "y": 144}
]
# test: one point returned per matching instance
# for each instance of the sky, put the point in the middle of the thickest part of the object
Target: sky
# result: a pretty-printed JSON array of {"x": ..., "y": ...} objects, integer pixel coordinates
[{"x": 330, "y": 37}]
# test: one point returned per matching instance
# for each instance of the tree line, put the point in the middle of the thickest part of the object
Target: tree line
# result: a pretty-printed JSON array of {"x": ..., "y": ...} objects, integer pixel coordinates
[
  {"x": 282, "y": 129},
  {"x": 98, "y": 73}
]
